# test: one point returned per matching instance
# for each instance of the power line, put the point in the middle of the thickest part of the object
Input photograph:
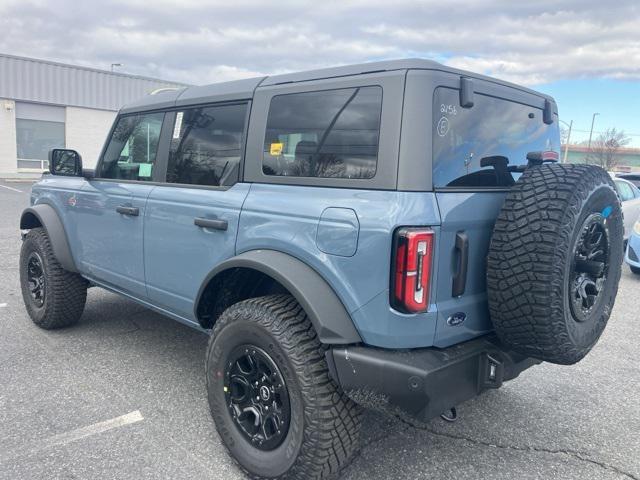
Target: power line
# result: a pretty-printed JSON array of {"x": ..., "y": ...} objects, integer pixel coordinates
[{"x": 587, "y": 131}]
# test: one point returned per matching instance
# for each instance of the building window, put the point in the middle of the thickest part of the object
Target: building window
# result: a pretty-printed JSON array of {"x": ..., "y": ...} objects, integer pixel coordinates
[{"x": 39, "y": 128}]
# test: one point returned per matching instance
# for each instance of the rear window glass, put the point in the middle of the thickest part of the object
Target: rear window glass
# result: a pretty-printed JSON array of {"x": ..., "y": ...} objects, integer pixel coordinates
[
  {"x": 468, "y": 143},
  {"x": 330, "y": 133}
]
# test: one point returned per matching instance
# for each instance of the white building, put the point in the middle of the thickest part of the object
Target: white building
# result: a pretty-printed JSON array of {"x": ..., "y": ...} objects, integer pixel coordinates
[{"x": 45, "y": 104}]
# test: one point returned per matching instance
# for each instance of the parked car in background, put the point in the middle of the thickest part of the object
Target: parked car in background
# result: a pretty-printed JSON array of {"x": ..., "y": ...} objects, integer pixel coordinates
[
  {"x": 630, "y": 197},
  {"x": 633, "y": 248},
  {"x": 632, "y": 177}
]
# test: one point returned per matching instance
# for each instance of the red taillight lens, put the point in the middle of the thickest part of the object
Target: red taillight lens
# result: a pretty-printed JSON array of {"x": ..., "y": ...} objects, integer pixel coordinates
[
  {"x": 550, "y": 155},
  {"x": 413, "y": 251}
]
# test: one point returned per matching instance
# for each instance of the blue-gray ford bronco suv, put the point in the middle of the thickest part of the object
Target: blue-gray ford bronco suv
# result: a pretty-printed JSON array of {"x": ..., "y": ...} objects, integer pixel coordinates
[{"x": 395, "y": 235}]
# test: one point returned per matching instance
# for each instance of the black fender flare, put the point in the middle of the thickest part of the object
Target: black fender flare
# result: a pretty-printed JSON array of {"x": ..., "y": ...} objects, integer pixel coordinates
[
  {"x": 330, "y": 318},
  {"x": 45, "y": 215}
]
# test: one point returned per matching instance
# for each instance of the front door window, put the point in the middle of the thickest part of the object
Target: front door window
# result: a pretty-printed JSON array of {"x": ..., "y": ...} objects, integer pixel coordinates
[{"x": 132, "y": 149}]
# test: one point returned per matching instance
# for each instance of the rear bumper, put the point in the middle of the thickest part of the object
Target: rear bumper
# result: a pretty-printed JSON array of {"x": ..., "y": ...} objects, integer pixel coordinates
[{"x": 422, "y": 383}]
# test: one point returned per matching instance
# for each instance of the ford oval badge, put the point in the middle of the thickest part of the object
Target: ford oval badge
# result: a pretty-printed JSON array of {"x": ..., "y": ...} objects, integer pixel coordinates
[{"x": 456, "y": 319}]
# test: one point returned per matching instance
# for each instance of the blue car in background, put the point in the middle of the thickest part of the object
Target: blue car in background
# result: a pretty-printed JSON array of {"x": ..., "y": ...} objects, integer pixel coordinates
[
  {"x": 630, "y": 197},
  {"x": 633, "y": 249}
]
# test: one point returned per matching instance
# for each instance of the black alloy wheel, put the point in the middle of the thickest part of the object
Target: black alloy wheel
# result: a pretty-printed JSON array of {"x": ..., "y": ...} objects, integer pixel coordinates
[
  {"x": 36, "y": 279},
  {"x": 590, "y": 266},
  {"x": 257, "y": 396}
]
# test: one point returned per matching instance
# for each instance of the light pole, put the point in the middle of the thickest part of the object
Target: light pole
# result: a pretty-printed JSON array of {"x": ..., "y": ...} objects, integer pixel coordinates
[
  {"x": 566, "y": 145},
  {"x": 113, "y": 65},
  {"x": 593, "y": 119}
]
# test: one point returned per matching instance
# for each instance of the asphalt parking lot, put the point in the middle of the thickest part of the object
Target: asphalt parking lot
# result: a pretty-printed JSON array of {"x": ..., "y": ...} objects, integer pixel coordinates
[{"x": 122, "y": 396}]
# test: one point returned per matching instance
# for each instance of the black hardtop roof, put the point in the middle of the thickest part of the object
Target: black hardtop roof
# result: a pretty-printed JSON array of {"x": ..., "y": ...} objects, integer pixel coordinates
[{"x": 244, "y": 89}]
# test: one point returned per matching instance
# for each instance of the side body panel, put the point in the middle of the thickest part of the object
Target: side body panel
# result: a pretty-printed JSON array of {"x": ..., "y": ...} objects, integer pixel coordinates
[
  {"x": 61, "y": 194},
  {"x": 178, "y": 254},
  {"x": 109, "y": 247},
  {"x": 286, "y": 218},
  {"x": 455, "y": 211}
]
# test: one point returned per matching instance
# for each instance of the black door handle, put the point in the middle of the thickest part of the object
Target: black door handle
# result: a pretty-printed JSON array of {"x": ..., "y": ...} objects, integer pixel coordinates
[
  {"x": 131, "y": 211},
  {"x": 211, "y": 223},
  {"x": 462, "y": 256}
]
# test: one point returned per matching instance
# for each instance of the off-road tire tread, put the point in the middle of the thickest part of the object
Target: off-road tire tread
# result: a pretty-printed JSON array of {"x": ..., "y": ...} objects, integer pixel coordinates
[
  {"x": 525, "y": 266},
  {"x": 332, "y": 421},
  {"x": 66, "y": 292}
]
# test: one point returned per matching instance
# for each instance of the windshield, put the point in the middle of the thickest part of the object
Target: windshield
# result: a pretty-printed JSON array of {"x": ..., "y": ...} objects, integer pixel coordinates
[{"x": 482, "y": 146}]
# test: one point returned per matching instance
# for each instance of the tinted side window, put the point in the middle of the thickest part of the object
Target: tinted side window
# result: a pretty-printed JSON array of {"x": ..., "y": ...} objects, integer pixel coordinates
[
  {"x": 331, "y": 133},
  {"x": 206, "y": 145},
  {"x": 484, "y": 145},
  {"x": 131, "y": 152}
]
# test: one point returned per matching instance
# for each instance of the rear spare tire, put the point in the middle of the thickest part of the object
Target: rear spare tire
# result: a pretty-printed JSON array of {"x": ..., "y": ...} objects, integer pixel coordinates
[{"x": 554, "y": 261}]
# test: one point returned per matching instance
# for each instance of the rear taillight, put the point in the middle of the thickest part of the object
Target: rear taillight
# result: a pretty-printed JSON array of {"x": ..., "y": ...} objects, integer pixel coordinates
[
  {"x": 411, "y": 274},
  {"x": 550, "y": 156}
]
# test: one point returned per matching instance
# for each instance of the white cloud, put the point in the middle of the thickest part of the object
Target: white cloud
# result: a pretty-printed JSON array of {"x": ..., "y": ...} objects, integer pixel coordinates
[{"x": 201, "y": 41}]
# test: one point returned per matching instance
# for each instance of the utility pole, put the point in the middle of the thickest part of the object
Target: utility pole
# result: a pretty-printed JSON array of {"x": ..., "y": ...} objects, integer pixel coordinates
[{"x": 593, "y": 119}]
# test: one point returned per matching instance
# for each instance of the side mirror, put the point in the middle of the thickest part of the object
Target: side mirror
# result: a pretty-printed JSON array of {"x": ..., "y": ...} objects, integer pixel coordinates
[{"x": 67, "y": 163}]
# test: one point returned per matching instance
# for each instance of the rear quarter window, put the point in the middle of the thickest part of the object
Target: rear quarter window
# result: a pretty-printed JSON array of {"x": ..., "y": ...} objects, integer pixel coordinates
[
  {"x": 493, "y": 127},
  {"x": 329, "y": 134}
]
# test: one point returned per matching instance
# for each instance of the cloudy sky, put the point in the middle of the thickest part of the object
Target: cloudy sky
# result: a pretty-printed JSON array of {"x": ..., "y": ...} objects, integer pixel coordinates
[{"x": 584, "y": 52}]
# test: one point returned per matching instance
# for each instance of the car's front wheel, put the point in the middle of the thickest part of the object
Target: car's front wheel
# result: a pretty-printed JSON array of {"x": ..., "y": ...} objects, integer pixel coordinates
[
  {"x": 53, "y": 296},
  {"x": 275, "y": 407},
  {"x": 634, "y": 270}
]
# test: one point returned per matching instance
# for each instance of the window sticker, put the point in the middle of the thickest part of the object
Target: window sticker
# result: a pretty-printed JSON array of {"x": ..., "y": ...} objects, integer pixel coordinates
[
  {"x": 145, "y": 170},
  {"x": 276, "y": 149},
  {"x": 178, "y": 125}
]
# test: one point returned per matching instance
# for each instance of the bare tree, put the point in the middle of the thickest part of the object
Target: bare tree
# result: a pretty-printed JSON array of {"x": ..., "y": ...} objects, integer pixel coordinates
[
  {"x": 564, "y": 135},
  {"x": 604, "y": 149}
]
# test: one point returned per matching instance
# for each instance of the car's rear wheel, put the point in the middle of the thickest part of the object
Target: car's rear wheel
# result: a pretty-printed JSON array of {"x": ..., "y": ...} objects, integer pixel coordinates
[
  {"x": 275, "y": 407},
  {"x": 53, "y": 296},
  {"x": 555, "y": 261}
]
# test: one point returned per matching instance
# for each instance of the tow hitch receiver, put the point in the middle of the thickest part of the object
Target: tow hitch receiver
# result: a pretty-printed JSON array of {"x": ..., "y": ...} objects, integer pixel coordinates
[{"x": 491, "y": 372}]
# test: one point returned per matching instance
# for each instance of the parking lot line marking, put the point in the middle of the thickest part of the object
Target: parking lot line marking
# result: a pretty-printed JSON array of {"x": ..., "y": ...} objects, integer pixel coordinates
[
  {"x": 74, "y": 435},
  {"x": 3, "y": 305},
  {"x": 11, "y": 188}
]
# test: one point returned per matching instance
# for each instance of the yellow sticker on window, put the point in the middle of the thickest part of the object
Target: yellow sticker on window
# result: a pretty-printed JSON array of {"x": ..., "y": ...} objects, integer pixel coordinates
[{"x": 276, "y": 148}]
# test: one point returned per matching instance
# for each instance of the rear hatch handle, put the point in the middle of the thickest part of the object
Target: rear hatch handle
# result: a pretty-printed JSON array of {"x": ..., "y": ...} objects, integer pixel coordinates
[{"x": 461, "y": 255}]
